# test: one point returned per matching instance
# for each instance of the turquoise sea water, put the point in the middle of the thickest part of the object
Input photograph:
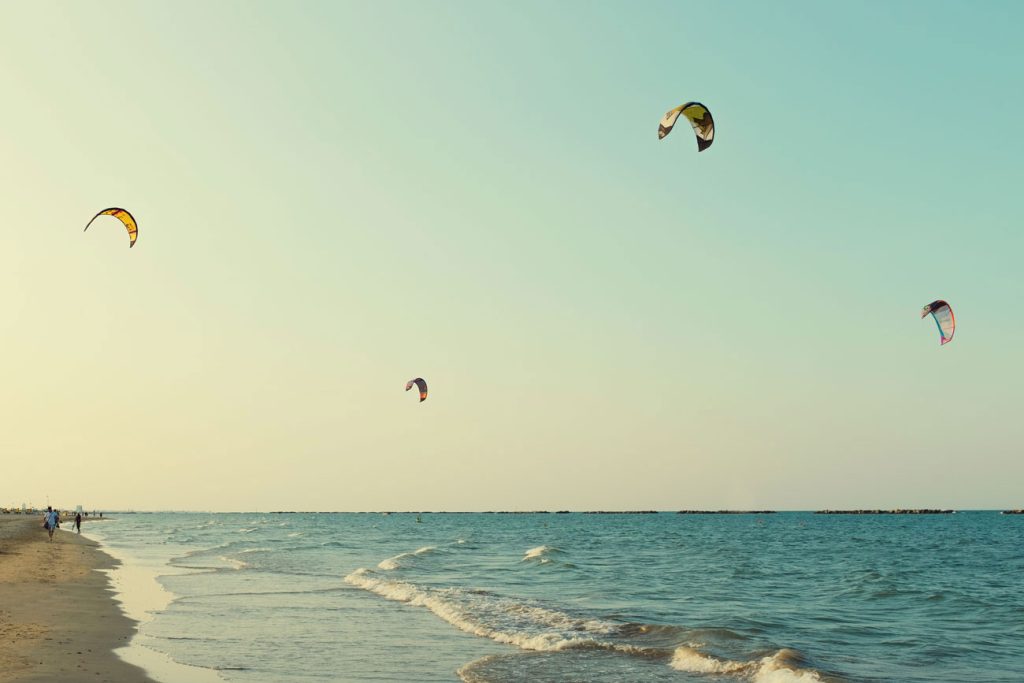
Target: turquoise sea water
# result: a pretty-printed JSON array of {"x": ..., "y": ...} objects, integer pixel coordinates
[{"x": 295, "y": 598}]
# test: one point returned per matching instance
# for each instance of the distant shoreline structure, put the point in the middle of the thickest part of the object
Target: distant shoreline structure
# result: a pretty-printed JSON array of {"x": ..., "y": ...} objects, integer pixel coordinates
[
  {"x": 533, "y": 512},
  {"x": 726, "y": 512},
  {"x": 897, "y": 511},
  {"x": 827, "y": 511}
]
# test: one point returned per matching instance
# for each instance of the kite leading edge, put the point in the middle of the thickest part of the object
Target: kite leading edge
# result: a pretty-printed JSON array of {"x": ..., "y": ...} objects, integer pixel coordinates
[{"x": 126, "y": 219}]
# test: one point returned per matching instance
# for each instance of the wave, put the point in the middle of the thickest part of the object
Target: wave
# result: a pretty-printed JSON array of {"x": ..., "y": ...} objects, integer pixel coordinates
[
  {"x": 467, "y": 673},
  {"x": 532, "y": 626},
  {"x": 546, "y": 555},
  {"x": 203, "y": 551},
  {"x": 213, "y": 558},
  {"x": 540, "y": 553},
  {"x": 398, "y": 561},
  {"x": 692, "y": 660},
  {"x": 504, "y": 620},
  {"x": 783, "y": 666}
]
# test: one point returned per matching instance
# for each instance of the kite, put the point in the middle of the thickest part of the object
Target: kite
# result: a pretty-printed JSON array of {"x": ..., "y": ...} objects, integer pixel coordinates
[
  {"x": 943, "y": 315},
  {"x": 126, "y": 218},
  {"x": 698, "y": 116},
  {"x": 419, "y": 383}
]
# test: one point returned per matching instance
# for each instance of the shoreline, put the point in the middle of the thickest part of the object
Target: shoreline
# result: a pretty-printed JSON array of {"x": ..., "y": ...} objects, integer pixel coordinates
[
  {"x": 59, "y": 621},
  {"x": 138, "y": 592}
]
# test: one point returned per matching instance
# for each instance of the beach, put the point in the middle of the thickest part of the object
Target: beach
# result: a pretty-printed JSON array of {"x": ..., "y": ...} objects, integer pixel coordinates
[{"x": 59, "y": 621}]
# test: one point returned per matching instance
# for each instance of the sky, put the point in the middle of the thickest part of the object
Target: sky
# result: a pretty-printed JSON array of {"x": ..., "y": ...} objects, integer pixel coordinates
[{"x": 335, "y": 197}]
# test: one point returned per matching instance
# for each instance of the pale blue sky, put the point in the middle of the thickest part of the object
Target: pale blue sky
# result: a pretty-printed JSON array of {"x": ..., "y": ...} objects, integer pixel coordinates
[{"x": 336, "y": 197}]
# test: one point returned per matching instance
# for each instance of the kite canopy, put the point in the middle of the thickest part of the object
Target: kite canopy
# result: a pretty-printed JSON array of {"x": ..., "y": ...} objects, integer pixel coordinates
[
  {"x": 126, "y": 219},
  {"x": 698, "y": 116},
  {"x": 419, "y": 383},
  {"x": 943, "y": 316}
]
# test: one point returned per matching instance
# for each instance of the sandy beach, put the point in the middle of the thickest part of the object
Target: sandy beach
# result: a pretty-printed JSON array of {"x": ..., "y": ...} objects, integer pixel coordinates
[{"x": 58, "y": 619}]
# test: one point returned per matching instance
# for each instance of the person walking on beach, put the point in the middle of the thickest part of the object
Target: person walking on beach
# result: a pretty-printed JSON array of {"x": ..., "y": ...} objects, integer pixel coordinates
[
  {"x": 78, "y": 522},
  {"x": 50, "y": 520}
]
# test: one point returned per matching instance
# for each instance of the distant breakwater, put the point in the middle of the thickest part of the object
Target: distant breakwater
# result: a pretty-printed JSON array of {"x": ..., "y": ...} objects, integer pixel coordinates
[
  {"x": 726, "y": 512},
  {"x": 895, "y": 511},
  {"x": 539, "y": 512},
  {"x": 898, "y": 511}
]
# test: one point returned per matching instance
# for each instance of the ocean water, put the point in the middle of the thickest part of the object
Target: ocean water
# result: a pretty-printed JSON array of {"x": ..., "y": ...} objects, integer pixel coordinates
[{"x": 297, "y": 598}]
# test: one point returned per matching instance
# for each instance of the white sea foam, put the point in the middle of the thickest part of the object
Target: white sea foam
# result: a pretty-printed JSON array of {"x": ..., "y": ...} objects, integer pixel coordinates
[
  {"x": 776, "y": 668},
  {"x": 689, "y": 659},
  {"x": 503, "y": 620},
  {"x": 539, "y": 552},
  {"x": 779, "y": 668},
  {"x": 532, "y": 627},
  {"x": 400, "y": 560}
]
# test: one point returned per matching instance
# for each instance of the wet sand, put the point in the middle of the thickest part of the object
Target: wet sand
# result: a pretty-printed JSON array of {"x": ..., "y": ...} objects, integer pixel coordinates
[{"x": 59, "y": 622}]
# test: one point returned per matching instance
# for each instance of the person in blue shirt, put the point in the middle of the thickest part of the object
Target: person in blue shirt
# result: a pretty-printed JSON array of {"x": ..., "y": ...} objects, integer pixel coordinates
[{"x": 50, "y": 520}]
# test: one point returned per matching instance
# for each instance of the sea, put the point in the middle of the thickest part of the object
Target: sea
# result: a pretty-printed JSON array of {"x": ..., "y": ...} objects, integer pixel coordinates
[{"x": 492, "y": 598}]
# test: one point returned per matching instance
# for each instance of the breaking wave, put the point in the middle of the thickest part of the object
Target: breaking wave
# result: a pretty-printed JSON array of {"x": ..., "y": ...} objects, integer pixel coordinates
[
  {"x": 399, "y": 561},
  {"x": 784, "y": 666},
  {"x": 504, "y": 620},
  {"x": 534, "y": 627},
  {"x": 541, "y": 552}
]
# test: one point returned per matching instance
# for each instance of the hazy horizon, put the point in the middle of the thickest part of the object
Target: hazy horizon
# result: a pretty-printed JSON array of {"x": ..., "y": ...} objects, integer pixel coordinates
[
  {"x": 512, "y": 511},
  {"x": 335, "y": 197}
]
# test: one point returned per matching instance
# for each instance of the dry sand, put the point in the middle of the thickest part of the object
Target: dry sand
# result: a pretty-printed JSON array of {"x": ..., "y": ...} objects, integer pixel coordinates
[{"x": 59, "y": 622}]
